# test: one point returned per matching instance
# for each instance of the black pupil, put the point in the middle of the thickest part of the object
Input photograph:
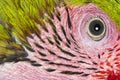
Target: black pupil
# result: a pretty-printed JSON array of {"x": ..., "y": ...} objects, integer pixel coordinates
[{"x": 96, "y": 27}]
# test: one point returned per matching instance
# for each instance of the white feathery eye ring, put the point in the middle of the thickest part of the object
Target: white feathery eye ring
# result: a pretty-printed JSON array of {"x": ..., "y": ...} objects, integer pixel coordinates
[{"x": 96, "y": 29}]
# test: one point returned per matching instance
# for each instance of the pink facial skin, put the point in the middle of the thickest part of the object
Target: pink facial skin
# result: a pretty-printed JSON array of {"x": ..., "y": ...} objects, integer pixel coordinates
[{"x": 102, "y": 56}]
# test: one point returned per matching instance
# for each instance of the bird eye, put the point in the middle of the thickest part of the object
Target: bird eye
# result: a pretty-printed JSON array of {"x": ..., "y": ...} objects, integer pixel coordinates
[{"x": 96, "y": 29}]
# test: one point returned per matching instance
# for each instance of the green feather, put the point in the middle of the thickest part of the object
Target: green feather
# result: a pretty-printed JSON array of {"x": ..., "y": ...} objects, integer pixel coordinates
[{"x": 20, "y": 18}]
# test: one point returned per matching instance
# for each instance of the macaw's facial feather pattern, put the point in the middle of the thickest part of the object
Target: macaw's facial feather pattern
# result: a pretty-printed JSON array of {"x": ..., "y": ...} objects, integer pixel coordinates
[
  {"x": 111, "y": 7},
  {"x": 59, "y": 40}
]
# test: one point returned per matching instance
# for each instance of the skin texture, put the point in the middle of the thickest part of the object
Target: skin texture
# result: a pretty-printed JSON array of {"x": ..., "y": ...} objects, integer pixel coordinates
[{"x": 102, "y": 55}]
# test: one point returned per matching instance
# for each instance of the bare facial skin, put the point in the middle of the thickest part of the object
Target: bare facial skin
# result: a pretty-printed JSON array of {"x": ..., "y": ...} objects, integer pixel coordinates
[{"x": 68, "y": 51}]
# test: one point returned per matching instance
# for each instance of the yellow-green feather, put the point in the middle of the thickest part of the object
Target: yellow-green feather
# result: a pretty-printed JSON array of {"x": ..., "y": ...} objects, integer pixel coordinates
[
  {"x": 23, "y": 15},
  {"x": 18, "y": 19}
]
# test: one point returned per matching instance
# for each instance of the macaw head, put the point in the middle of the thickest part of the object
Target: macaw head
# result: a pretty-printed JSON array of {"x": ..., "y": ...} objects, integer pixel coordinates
[{"x": 59, "y": 40}]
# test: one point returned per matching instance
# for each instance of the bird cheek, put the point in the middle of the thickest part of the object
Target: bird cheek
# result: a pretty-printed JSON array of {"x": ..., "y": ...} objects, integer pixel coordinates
[{"x": 85, "y": 14}]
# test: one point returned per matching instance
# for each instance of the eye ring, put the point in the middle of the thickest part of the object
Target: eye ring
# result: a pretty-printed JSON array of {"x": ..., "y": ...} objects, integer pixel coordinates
[{"x": 96, "y": 29}]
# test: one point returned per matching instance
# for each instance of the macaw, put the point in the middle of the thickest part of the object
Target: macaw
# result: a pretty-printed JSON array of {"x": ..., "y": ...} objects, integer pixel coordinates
[{"x": 59, "y": 40}]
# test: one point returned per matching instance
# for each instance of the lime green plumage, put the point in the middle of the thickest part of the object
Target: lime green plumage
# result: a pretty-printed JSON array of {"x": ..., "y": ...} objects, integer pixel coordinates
[
  {"x": 22, "y": 15},
  {"x": 18, "y": 18}
]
